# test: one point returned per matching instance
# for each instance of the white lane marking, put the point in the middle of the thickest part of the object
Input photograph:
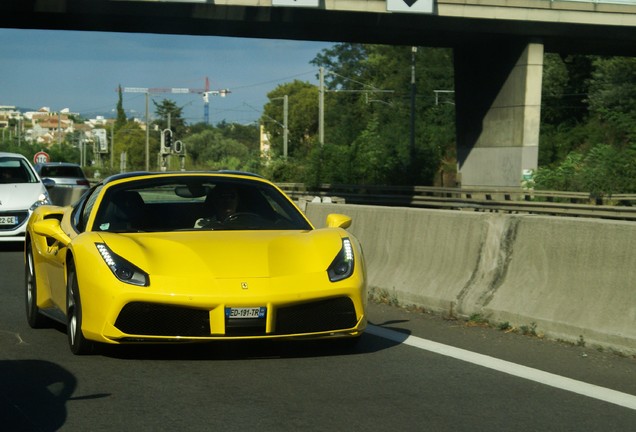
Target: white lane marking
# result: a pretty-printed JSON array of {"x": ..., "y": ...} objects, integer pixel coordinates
[{"x": 590, "y": 390}]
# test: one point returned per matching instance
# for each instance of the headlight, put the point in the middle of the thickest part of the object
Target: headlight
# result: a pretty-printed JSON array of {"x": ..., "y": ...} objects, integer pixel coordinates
[
  {"x": 43, "y": 199},
  {"x": 122, "y": 269},
  {"x": 342, "y": 265}
]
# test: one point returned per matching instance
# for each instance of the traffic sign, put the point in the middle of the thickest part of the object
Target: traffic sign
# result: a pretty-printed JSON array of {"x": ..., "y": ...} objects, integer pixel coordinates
[
  {"x": 412, "y": 6},
  {"x": 41, "y": 157},
  {"x": 296, "y": 3}
]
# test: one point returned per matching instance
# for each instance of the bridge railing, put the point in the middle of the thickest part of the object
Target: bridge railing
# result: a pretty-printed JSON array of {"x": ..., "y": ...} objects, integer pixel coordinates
[{"x": 513, "y": 200}]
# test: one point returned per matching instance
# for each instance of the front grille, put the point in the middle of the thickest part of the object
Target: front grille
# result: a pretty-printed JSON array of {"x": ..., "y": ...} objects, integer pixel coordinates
[
  {"x": 153, "y": 319},
  {"x": 324, "y": 315},
  {"x": 22, "y": 215},
  {"x": 245, "y": 327}
]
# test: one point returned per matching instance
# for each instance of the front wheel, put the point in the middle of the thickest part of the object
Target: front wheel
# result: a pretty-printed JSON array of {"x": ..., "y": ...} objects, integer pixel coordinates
[
  {"x": 34, "y": 317},
  {"x": 78, "y": 344}
]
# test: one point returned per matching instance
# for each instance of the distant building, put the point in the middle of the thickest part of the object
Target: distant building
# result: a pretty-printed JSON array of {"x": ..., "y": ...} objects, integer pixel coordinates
[
  {"x": 98, "y": 121},
  {"x": 7, "y": 112},
  {"x": 48, "y": 128}
]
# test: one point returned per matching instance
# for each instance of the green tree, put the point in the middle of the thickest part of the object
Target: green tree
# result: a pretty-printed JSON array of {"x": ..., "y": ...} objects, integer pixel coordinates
[
  {"x": 168, "y": 113},
  {"x": 248, "y": 135},
  {"x": 210, "y": 150},
  {"x": 121, "y": 114},
  {"x": 368, "y": 112},
  {"x": 131, "y": 140},
  {"x": 588, "y": 125},
  {"x": 302, "y": 117},
  {"x": 612, "y": 98}
]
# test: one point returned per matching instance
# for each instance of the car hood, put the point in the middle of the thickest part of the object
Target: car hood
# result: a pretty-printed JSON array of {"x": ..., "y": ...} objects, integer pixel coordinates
[
  {"x": 19, "y": 196},
  {"x": 229, "y": 254}
]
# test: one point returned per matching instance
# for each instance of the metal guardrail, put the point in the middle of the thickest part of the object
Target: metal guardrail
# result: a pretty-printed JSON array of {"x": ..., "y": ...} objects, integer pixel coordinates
[{"x": 555, "y": 203}]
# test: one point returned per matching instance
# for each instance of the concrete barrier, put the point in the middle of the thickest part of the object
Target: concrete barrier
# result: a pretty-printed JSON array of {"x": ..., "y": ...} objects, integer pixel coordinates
[{"x": 566, "y": 278}]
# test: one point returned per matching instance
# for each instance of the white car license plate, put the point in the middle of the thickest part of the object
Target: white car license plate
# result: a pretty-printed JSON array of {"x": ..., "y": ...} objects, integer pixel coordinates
[
  {"x": 8, "y": 220},
  {"x": 245, "y": 312}
]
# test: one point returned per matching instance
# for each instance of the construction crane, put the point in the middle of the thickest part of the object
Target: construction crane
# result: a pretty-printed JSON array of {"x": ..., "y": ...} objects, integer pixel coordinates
[{"x": 204, "y": 92}]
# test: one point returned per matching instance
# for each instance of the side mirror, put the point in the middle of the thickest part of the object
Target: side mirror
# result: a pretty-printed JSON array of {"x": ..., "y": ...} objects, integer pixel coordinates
[
  {"x": 51, "y": 228},
  {"x": 336, "y": 220},
  {"x": 48, "y": 183}
]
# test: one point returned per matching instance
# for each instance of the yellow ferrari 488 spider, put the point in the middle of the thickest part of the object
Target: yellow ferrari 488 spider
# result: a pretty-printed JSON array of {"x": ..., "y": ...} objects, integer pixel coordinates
[{"x": 191, "y": 256}]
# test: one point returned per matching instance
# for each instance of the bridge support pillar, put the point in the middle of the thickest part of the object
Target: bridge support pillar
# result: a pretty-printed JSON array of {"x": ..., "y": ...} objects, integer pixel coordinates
[{"x": 498, "y": 110}]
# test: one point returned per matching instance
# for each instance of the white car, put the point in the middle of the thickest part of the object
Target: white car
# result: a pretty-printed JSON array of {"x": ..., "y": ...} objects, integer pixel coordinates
[{"x": 21, "y": 191}]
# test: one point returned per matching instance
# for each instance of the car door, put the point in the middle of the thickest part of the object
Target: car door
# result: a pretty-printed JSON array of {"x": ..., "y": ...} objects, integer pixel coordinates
[{"x": 56, "y": 253}]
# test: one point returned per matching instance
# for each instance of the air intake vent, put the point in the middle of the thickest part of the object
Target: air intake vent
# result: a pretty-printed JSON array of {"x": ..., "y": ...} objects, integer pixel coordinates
[
  {"x": 163, "y": 320},
  {"x": 324, "y": 315}
]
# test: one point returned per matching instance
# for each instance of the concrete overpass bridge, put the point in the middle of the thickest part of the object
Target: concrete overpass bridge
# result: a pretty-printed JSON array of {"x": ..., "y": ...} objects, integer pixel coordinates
[{"x": 498, "y": 49}]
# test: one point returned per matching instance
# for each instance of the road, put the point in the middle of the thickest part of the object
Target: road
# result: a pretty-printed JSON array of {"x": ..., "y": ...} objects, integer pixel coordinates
[{"x": 412, "y": 371}]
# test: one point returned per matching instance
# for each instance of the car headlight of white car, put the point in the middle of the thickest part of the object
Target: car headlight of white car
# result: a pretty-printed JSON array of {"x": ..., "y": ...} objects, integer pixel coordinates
[{"x": 43, "y": 199}]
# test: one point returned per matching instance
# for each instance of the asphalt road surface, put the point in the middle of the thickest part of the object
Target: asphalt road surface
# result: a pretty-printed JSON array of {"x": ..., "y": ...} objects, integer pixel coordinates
[{"x": 411, "y": 371}]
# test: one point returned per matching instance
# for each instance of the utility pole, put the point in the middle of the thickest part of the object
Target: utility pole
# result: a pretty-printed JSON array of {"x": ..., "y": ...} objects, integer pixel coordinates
[
  {"x": 285, "y": 125},
  {"x": 321, "y": 101},
  {"x": 147, "y": 135},
  {"x": 205, "y": 92}
]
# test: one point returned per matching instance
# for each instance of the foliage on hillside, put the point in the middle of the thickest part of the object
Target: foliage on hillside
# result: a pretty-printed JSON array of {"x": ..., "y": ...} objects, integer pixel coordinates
[
  {"x": 587, "y": 143},
  {"x": 588, "y": 128}
]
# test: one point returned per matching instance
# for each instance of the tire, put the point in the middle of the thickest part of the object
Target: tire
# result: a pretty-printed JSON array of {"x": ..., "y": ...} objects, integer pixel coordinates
[
  {"x": 78, "y": 344},
  {"x": 34, "y": 317}
]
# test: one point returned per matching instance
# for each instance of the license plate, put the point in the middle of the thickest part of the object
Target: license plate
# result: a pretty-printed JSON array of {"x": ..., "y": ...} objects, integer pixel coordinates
[
  {"x": 8, "y": 220},
  {"x": 245, "y": 312}
]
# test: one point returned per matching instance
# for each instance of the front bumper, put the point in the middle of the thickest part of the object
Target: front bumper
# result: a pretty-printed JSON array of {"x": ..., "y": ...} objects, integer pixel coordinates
[
  {"x": 14, "y": 233},
  {"x": 141, "y": 314},
  {"x": 322, "y": 317}
]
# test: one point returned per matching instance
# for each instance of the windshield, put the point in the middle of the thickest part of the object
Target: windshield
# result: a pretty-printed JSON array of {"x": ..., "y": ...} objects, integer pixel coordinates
[
  {"x": 16, "y": 170},
  {"x": 196, "y": 203}
]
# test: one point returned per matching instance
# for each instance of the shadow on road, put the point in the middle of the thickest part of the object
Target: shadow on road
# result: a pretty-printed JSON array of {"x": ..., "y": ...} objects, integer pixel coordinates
[
  {"x": 33, "y": 395},
  {"x": 253, "y": 349}
]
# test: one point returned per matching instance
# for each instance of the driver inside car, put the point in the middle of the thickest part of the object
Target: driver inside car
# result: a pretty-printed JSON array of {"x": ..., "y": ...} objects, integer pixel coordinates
[{"x": 221, "y": 203}]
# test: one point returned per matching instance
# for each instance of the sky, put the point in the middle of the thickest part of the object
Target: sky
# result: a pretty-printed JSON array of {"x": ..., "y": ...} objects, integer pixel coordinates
[{"x": 82, "y": 70}]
